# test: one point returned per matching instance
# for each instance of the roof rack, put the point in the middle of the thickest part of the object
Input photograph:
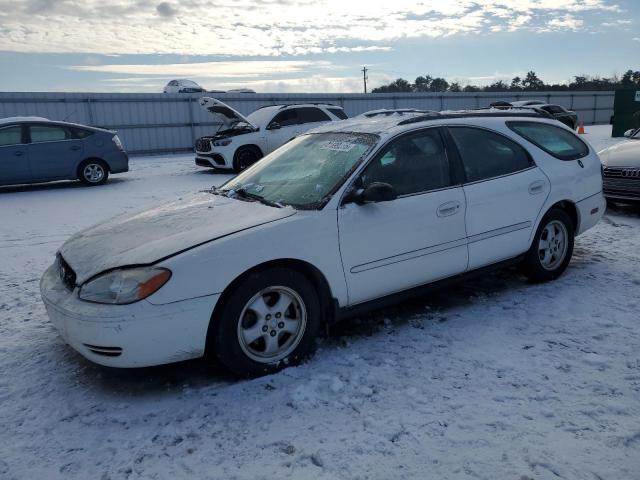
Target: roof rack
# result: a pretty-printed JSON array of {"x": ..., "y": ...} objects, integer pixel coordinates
[
  {"x": 298, "y": 104},
  {"x": 480, "y": 112},
  {"x": 391, "y": 111}
]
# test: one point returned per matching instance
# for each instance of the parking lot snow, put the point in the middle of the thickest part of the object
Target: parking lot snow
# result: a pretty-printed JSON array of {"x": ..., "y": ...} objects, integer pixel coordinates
[{"x": 493, "y": 378}]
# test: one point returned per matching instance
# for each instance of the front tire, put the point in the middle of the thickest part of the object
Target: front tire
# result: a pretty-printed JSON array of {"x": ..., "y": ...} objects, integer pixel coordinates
[
  {"x": 245, "y": 157},
  {"x": 268, "y": 322},
  {"x": 552, "y": 247},
  {"x": 93, "y": 172}
]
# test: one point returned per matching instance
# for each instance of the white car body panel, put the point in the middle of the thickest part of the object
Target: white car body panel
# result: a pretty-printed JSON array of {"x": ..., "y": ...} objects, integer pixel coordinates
[
  {"x": 428, "y": 242},
  {"x": 501, "y": 214},
  {"x": 363, "y": 252},
  {"x": 144, "y": 238}
]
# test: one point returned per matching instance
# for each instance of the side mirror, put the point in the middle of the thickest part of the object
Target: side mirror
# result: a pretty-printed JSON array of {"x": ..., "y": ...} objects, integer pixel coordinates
[
  {"x": 375, "y": 192},
  {"x": 629, "y": 133},
  {"x": 274, "y": 126}
]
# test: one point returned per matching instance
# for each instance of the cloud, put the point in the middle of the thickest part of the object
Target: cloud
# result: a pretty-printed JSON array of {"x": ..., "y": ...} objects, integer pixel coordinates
[
  {"x": 165, "y": 9},
  {"x": 230, "y": 69},
  {"x": 270, "y": 28}
]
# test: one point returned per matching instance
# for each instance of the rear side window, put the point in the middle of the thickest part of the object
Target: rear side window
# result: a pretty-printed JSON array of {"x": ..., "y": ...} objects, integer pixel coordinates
[
  {"x": 338, "y": 112},
  {"x": 486, "y": 154},
  {"x": 48, "y": 133},
  {"x": 556, "y": 141},
  {"x": 11, "y": 136},
  {"x": 311, "y": 115},
  {"x": 81, "y": 132},
  {"x": 286, "y": 118}
]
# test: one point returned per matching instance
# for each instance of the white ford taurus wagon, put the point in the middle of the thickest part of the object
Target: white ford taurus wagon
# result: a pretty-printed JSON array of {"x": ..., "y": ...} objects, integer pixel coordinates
[{"x": 349, "y": 216}]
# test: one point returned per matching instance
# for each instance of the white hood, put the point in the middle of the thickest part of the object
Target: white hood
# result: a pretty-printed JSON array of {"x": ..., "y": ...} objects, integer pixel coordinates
[
  {"x": 623, "y": 154},
  {"x": 223, "y": 112},
  {"x": 147, "y": 237}
]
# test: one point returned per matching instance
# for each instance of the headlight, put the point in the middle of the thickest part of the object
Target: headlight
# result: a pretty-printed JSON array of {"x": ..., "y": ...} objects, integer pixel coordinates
[
  {"x": 222, "y": 143},
  {"x": 124, "y": 286}
]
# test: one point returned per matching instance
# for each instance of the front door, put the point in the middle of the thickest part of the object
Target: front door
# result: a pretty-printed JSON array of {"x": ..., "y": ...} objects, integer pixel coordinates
[
  {"x": 284, "y": 126},
  {"x": 504, "y": 190},
  {"x": 53, "y": 152},
  {"x": 14, "y": 158},
  {"x": 415, "y": 239}
]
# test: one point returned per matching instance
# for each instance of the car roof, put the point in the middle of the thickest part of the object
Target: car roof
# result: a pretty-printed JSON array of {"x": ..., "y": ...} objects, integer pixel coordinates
[
  {"x": 5, "y": 121},
  {"x": 392, "y": 122},
  {"x": 11, "y": 120}
]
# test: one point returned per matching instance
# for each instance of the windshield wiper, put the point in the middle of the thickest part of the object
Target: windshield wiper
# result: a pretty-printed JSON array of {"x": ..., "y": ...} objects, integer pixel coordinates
[
  {"x": 214, "y": 190},
  {"x": 242, "y": 192}
]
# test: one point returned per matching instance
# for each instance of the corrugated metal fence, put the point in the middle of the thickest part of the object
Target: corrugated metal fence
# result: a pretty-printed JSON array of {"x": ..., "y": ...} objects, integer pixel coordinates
[{"x": 159, "y": 123}]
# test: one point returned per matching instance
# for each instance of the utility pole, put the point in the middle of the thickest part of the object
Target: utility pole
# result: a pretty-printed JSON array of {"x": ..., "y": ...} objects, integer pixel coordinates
[{"x": 364, "y": 78}]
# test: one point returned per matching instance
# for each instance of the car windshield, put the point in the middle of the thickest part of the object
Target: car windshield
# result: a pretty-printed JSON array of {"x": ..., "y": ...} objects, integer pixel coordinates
[{"x": 304, "y": 172}]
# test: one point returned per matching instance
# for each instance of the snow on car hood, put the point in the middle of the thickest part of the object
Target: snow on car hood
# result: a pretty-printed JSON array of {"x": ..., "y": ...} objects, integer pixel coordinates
[
  {"x": 149, "y": 236},
  {"x": 223, "y": 112},
  {"x": 624, "y": 154}
]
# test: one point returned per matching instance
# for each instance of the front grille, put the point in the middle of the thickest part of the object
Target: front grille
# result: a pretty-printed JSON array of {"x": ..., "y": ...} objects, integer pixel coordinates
[
  {"x": 104, "y": 351},
  {"x": 621, "y": 172},
  {"x": 203, "y": 145},
  {"x": 67, "y": 275}
]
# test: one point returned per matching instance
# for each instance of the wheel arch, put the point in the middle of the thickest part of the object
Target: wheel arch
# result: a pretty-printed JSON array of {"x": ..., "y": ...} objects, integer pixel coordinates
[
  {"x": 88, "y": 159},
  {"x": 313, "y": 274},
  {"x": 570, "y": 208},
  {"x": 249, "y": 145}
]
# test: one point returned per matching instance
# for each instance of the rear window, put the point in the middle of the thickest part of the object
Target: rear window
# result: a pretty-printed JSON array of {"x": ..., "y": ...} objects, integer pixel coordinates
[
  {"x": 556, "y": 141},
  {"x": 338, "y": 112}
]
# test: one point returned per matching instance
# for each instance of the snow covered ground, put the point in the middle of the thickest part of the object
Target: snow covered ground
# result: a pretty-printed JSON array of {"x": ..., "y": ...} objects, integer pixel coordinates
[{"x": 491, "y": 379}]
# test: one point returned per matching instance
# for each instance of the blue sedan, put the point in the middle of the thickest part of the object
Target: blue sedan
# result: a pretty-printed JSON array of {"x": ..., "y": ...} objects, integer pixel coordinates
[{"x": 34, "y": 149}]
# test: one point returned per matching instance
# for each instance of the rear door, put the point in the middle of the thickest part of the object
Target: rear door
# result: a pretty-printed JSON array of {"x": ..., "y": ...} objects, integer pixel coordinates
[
  {"x": 504, "y": 192},
  {"x": 54, "y": 153},
  {"x": 14, "y": 158},
  {"x": 311, "y": 117}
]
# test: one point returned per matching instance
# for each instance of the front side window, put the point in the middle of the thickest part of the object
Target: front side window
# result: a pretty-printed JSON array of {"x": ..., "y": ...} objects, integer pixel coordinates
[
  {"x": 411, "y": 164},
  {"x": 306, "y": 171},
  {"x": 338, "y": 112},
  {"x": 556, "y": 141},
  {"x": 286, "y": 118},
  {"x": 311, "y": 115},
  {"x": 487, "y": 154},
  {"x": 47, "y": 133},
  {"x": 10, "y": 136}
]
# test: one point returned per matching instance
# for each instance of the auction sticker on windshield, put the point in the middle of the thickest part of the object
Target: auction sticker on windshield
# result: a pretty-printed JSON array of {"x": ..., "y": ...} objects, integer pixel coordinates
[{"x": 337, "y": 146}]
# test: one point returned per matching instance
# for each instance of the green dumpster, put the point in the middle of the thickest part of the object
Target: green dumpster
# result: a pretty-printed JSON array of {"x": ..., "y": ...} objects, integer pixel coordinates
[{"x": 626, "y": 111}]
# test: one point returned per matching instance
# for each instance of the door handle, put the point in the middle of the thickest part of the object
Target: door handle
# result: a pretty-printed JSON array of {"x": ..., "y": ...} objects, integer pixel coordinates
[
  {"x": 75, "y": 147},
  {"x": 449, "y": 208},
  {"x": 18, "y": 153},
  {"x": 536, "y": 187}
]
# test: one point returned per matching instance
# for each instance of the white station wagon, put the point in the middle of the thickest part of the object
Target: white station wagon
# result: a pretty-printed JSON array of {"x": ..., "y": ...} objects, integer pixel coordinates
[{"x": 347, "y": 217}]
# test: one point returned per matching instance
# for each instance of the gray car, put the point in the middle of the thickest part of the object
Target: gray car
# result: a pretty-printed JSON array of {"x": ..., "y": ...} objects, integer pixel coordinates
[{"x": 34, "y": 149}]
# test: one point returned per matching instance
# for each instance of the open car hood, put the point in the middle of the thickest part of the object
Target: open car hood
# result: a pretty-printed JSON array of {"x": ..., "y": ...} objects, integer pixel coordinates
[
  {"x": 147, "y": 237},
  {"x": 223, "y": 113}
]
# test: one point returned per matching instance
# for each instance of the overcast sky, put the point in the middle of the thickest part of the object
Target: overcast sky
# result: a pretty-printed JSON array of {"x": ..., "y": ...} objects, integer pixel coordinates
[{"x": 307, "y": 45}]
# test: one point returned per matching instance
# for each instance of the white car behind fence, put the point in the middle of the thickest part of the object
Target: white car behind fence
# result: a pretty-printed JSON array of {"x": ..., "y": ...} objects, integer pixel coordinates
[{"x": 241, "y": 141}]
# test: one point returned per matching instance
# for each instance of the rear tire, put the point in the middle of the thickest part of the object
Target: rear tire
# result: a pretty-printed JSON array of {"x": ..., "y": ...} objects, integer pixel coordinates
[
  {"x": 551, "y": 249},
  {"x": 269, "y": 321},
  {"x": 93, "y": 172},
  {"x": 245, "y": 157}
]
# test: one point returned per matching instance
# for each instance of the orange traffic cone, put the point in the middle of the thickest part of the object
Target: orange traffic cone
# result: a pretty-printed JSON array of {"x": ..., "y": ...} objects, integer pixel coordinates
[{"x": 581, "y": 129}]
